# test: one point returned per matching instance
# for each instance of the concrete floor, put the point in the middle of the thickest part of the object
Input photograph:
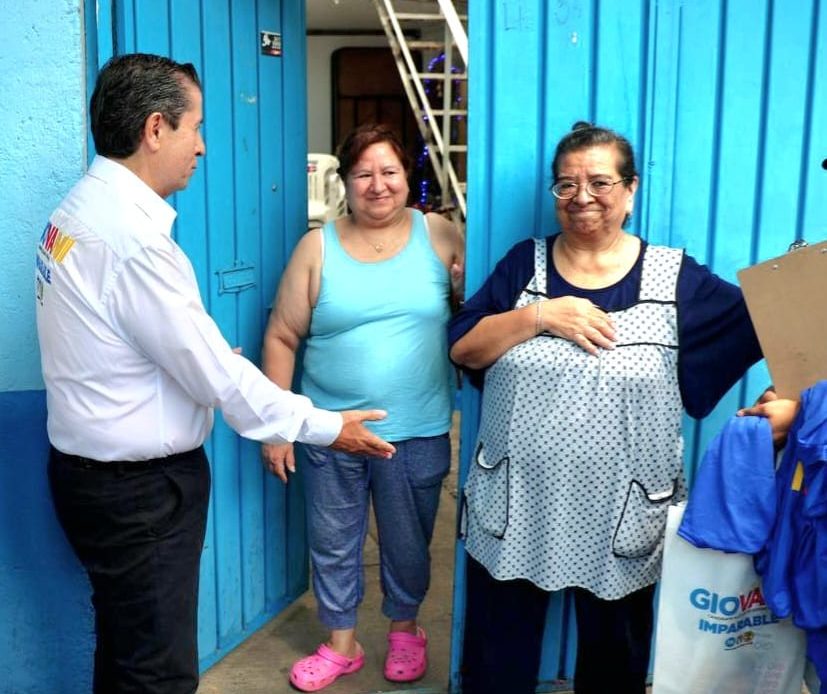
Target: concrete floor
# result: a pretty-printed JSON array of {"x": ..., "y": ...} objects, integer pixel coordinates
[{"x": 262, "y": 663}]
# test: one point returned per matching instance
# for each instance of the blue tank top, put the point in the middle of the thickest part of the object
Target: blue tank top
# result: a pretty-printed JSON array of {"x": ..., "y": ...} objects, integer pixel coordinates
[{"x": 378, "y": 337}]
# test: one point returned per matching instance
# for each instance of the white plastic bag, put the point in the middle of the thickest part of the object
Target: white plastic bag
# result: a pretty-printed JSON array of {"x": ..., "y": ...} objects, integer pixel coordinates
[{"x": 715, "y": 634}]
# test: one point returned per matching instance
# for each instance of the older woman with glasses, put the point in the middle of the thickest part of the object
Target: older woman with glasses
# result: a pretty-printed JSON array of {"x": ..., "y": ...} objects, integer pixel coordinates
[{"x": 592, "y": 344}]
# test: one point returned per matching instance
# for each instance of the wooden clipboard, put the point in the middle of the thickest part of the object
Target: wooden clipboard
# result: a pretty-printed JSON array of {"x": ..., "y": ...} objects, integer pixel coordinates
[{"x": 787, "y": 302}]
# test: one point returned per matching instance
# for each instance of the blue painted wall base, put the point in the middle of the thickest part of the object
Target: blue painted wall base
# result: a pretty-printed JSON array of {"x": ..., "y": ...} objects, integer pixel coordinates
[{"x": 47, "y": 641}]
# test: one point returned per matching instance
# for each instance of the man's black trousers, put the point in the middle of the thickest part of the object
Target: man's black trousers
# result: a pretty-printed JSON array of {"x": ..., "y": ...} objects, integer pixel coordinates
[{"x": 138, "y": 529}]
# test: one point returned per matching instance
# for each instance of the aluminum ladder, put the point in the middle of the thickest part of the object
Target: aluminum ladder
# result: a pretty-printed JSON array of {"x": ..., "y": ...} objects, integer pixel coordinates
[{"x": 440, "y": 32}]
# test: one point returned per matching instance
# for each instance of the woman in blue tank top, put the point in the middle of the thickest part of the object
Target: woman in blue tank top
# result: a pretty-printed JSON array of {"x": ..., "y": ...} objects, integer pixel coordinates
[{"x": 370, "y": 296}]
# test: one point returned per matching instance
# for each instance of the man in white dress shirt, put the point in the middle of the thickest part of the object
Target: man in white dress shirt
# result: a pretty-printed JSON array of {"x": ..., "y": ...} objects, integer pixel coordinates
[{"x": 133, "y": 368}]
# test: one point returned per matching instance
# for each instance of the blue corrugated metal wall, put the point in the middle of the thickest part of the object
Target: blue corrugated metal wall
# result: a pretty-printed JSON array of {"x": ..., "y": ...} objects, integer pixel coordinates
[
  {"x": 238, "y": 220},
  {"x": 725, "y": 103}
]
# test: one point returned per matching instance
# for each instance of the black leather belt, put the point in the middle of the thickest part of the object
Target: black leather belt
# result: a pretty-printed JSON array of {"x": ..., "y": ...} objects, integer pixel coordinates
[{"x": 120, "y": 466}]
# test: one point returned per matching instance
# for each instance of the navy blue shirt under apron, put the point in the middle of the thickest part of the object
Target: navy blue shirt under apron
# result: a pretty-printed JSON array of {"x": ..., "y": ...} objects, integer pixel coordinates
[{"x": 717, "y": 342}]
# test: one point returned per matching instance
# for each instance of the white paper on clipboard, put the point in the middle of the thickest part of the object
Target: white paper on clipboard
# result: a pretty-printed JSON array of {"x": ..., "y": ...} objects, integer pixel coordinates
[{"x": 787, "y": 302}]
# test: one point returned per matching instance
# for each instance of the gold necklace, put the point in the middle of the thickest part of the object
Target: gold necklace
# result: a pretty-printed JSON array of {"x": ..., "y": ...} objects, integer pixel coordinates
[
  {"x": 381, "y": 246},
  {"x": 378, "y": 247}
]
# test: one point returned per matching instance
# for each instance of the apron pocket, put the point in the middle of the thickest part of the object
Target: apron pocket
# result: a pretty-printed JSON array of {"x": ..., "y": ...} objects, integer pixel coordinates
[
  {"x": 642, "y": 521},
  {"x": 486, "y": 493}
]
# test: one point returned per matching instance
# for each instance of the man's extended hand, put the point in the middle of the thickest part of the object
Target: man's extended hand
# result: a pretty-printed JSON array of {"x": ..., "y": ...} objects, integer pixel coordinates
[{"x": 356, "y": 438}]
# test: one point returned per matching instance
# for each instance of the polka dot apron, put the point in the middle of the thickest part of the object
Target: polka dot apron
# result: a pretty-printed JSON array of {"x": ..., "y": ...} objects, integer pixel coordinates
[{"x": 578, "y": 456}]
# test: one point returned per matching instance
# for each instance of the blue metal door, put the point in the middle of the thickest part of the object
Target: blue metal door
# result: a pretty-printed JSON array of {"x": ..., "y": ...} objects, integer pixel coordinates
[
  {"x": 725, "y": 103},
  {"x": 238, "y": 220}
]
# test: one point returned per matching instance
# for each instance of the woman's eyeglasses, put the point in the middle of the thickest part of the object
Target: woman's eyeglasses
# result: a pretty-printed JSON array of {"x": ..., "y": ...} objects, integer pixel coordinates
[{"x": 565, "y": 190}]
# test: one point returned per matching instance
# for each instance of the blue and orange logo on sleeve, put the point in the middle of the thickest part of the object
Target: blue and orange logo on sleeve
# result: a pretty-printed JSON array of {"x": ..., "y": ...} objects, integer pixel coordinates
[{"x": 55, "y": 242}]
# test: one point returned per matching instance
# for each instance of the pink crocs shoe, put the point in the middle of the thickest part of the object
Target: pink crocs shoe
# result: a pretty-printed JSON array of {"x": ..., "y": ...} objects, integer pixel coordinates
[
  {"x": 316, "y": 671},
  {"x": 407, "y": 659}
]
